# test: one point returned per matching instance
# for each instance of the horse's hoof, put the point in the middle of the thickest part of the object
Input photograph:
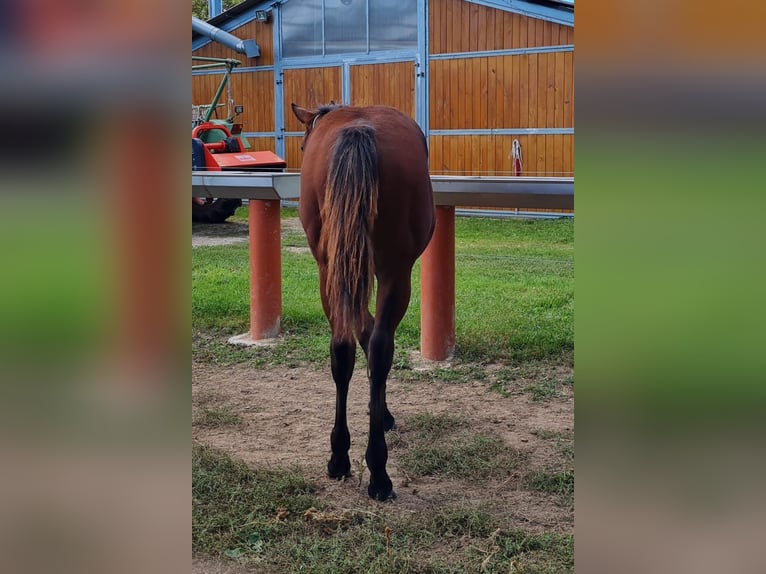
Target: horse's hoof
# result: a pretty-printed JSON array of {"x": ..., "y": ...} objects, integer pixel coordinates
[
  {"x": 381, "y": 493},
  {"x": 339, "y": 469},
  {"x": 389, "y": 424}
]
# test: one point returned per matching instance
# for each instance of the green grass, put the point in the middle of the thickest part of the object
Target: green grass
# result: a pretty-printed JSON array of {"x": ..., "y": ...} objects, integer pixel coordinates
[
  {"x": 475, "y": 457},
  {"x": 559, "y": 484},
  {"x": 215, "y": 417},
  {"x": 272, "y": 521},
  {"x": 443, "y": 445},
  {"x": 514, "y": 297}
]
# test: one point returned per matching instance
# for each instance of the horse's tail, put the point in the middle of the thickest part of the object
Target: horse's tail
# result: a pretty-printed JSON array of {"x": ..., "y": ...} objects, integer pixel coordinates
[{"x": 348, "y": 215}]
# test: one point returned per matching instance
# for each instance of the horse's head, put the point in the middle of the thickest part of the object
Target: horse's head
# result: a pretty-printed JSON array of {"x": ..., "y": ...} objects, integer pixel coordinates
[{"x": 309, "y": 118}]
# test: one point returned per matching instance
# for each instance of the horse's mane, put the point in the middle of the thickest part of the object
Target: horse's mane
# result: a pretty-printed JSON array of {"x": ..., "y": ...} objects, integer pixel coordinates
[{"x": 327, "y": 108}]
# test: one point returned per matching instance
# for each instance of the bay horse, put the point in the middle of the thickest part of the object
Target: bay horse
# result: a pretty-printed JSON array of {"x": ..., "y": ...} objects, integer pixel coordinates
[{"x": 367, "y": 208}]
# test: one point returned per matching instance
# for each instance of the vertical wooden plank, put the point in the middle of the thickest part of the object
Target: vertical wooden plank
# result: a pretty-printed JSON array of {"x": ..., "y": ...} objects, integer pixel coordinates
[
  {"x": 496, "y": 150},
  {"x": 447, "y": 26},
  {"x": 541, "y": 155},
  {"x": 499, "y": 35},
  {"x": 531, "y": 40},
  {"x": 473, "y": 155},
  {"x": 533, "y": 92},
  {"x": 524, "y": 91},
  {"x": 485, "y": 119},
  {"x": 516, "y": 31},
  {"x": 491, "y": 73},
  {"x": 559, "y": 89},
  {"x": 516, "y": 92},
  {"x": 463, "y": 94},
  {"x": 465, "y": 32},
  {"x": 434, "y": 94},
  {"x": 567, "y": 163},
  {"x": 433, "y": 156},
  {"x": 453, "y": 103},
  {"x": 550, "y": 168},
  {"x": 473, "y": 94},
  {"x": 487, "y": 27},
  {"x": 558, "y": 155},
  {"x": 508, "y": 90},
  {"x": 463, "y": 153},
  {"x": 539, "y": 32},
  {"x": 433, "y": 32},
  {"x": 523, "y": 41},
  {"x": 550, "y": 92},
  {"x": 473, "y": 26},
  {"x": 529, "y": 152},
  {"x": 568, "y": 90},
  {"x": 499, "y": 94},
  {"x": 507, "y": 30}
]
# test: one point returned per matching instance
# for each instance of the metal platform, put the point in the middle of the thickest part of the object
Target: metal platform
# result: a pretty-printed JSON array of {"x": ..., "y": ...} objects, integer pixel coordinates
[{"x": 479, "y": 191}]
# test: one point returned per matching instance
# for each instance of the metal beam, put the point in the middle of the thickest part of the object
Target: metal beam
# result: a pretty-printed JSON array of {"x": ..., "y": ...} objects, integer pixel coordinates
[
  {"x": 474, "y": 191},
  {"x": 487, "y": 191},
  {"x": 250, "y": 185}
]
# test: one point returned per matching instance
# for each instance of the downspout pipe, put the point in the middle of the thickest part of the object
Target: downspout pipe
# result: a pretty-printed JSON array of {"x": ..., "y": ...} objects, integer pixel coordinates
[{"x": 247, "y": 47}]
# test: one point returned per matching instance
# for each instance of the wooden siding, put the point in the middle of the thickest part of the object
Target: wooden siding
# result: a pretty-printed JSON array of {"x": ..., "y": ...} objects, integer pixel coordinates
[
  {"x": 542, "y": 155},
  {"x": 310, "y": 88},
  {"x": 526, "y": 91},
  {"x": 390, "y": 84},
  {"x": 522, "y": 91},
  {"x": 261, "y": 32},
  {"x": 460, "y": 26},
  {"x": 262, "y": 144},
  {"x": 293, "y": 153},
  {"x": 253, "y": 90}
]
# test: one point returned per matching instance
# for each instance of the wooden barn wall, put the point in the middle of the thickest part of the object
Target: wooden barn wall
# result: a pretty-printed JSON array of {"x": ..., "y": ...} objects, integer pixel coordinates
[
  {"x": 460, "y": 26},
  {"x": 309, "y": 88},
  {"x": 253, "y": 90},
  {"x": 372, "y": 84},
  {"x": 520, "y": 91},
  {"x": 524, "y": 91},
  {"x": 542, "y": 155},
  {"x": 261, "y": 32}
]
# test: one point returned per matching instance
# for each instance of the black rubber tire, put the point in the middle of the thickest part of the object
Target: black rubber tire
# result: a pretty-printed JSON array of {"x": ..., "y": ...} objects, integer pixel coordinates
[{"x": 217, "y": 211}]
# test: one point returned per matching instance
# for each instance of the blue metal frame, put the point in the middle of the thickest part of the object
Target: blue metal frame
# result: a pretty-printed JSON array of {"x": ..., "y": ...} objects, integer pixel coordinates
[
  {"x": 214, "y": 7},
  {"x": 279, "y": 90},
  {"x": 235, "y": 71},
  {"x": 422, "y": 78},
  {"x": 508, "y": 52},
  {"x": 504, "y": 132},
  {"x": 564, "y": 17}
]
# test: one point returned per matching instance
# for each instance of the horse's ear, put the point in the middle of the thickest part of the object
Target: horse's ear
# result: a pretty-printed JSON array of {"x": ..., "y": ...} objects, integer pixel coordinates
[{"x": 304, "y": 116}]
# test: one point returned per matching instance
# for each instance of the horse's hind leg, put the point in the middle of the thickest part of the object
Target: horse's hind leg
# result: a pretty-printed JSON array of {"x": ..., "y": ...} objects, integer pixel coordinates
[
  {"x": 342, "y": 358},
  {"x": 392, "y": 301},
  {"x": 363, "y": 335}
]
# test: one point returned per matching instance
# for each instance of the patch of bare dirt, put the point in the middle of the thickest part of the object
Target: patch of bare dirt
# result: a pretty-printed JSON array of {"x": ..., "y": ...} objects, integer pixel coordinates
[{"x": 287, "y": 415}]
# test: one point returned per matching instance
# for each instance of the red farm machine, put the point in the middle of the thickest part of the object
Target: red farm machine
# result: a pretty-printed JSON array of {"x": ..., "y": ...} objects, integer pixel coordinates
[{"x": 218, "y": 144}]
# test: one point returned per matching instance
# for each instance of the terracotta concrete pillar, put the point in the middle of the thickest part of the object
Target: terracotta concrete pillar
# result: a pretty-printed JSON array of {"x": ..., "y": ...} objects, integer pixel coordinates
[
  {"x": 437, "y": 288},
  {"x": 265, "y": 269}
]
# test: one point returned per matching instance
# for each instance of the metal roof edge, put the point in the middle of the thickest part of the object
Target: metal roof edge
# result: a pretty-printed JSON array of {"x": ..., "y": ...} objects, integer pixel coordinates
[{"x": 544, "y": 11}]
